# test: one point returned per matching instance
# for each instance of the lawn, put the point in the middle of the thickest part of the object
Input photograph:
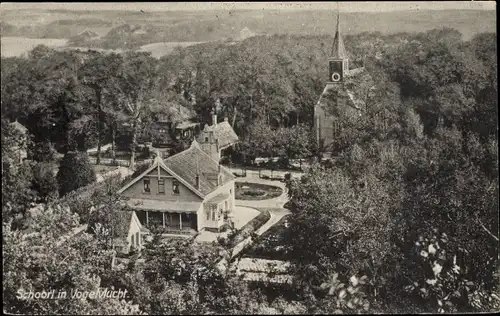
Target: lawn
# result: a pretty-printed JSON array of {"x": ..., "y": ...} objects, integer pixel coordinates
[
  {"x": 102, "y": 169},
  {"x": 256, "y": 191}
]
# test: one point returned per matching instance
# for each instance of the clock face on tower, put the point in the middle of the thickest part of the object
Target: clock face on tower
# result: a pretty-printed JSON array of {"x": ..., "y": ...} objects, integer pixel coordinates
[{"x": 335, "y": 71}]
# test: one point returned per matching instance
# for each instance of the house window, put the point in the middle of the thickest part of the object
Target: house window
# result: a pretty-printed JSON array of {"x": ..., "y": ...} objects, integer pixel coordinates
[
  {"x": 138, "y": 239},
  {"x": 213, "y": 214},
  {"x": 208, "y": 214},
  {"x": 175, "y": 187},
  {"x": 161, "y": 186},
  {"x": 132, "y": 240},
  {"x": 146, "y": 186},
  {"x": 206, "y": 139}
]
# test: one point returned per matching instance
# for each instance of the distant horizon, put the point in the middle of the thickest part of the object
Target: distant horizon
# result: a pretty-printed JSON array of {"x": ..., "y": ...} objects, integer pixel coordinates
[{"x": 366, "y": 6}]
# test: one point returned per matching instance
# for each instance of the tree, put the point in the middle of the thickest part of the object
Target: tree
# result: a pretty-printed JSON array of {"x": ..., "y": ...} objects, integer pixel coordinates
[
  {"x": 75, "y": 171},
  {"x": 99, "y": 74},
  {"x": 17, "y": 194},
  {"x": 136, "y": 82}
]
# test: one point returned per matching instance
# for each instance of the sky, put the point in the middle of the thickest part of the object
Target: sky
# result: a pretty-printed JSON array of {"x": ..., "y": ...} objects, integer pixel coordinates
[{"x": 358, "y": 6}]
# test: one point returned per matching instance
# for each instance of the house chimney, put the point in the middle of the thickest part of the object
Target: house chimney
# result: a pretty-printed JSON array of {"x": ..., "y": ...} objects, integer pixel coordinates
[{"x": 214, "y": 117}]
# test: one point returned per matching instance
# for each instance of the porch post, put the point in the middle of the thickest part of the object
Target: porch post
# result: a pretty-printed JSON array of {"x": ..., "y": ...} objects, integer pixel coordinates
[
  {"x": 180, "y": 221},
  {"x": 163, "y": 213},
  {"x": 147, "y": 218}
]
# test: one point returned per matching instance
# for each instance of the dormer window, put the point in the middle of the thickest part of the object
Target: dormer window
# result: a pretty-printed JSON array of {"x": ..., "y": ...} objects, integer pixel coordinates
[{"x": 147, "y": 189}]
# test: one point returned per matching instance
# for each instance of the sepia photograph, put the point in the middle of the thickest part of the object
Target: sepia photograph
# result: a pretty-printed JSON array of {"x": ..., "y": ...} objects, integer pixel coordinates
[{"x": 249, "y": 158}]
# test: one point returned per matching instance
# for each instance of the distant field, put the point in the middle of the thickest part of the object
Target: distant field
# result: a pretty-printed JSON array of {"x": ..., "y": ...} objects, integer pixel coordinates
[
  {"x": 16, "y": 46},
  {"x": 161, "y": 49}
]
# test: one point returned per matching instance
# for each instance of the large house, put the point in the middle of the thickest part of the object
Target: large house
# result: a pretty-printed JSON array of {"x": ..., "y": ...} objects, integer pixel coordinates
[
  {"x": 217, "y": 137},
  {"x": 343, "y": 98},
  {"x": 184, "y": 193}
]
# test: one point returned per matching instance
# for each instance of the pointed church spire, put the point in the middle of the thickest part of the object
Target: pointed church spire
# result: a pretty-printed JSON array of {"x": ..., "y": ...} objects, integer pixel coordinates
[{"x": 338, "y": 48}]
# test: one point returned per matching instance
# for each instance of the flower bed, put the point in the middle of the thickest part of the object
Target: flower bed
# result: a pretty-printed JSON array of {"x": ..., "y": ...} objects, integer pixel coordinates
[{"x": 256, "y": 191}]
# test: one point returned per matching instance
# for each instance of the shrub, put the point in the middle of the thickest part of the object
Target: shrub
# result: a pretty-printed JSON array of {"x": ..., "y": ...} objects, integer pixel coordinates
[
  {"x": 75, "y": 171},
  {"x": 44, "y": 181},
  {"x": 224, "y": 228},
  {"x": 43, "y": 151}
]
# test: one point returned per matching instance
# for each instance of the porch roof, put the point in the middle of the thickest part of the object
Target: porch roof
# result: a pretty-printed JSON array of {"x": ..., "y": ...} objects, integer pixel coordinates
[
  {"x": 185, "y": 125},
  {"x": 164, "y": 206},
  {"x": 218, "y": 198}
]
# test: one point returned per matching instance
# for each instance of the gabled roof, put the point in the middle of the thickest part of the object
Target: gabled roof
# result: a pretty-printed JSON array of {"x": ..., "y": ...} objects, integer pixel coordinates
[
  {"x": 20, "y": 127},
  {"x": 224, "y": 133},
  {"x": 192, "y": 161},
  {"x": 159, "y": 163},
  {"x": 185, "y": 166}
]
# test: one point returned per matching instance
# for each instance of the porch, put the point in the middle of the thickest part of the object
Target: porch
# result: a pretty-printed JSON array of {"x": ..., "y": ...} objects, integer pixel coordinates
[
  {"x": 169, "y": 222},
  {"x": 170, "y": 217}
]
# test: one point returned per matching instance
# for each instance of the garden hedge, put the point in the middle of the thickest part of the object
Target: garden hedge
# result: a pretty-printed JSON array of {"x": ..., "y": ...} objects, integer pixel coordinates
[{"x": 252, "y": 226}]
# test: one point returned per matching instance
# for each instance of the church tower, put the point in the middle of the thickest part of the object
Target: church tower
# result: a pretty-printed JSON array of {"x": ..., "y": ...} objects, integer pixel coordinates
[
  {"x": 343, "y": 99},
  {"x": 338, "y": 61}
]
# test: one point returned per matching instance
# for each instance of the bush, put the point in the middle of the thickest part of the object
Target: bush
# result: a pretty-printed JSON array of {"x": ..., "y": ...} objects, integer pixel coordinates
[
  {"x": 75, "y": 171},
  {"x": 43, "y": 151},
  {"x": 44, "y": 181}
]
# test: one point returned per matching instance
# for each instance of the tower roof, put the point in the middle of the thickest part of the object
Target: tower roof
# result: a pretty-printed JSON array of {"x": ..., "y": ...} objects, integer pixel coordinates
[{"x": 338, "y": 48}]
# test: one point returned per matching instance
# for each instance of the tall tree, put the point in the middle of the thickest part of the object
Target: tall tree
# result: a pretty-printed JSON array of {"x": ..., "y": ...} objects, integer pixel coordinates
[{"x": 137, "y": 83}]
